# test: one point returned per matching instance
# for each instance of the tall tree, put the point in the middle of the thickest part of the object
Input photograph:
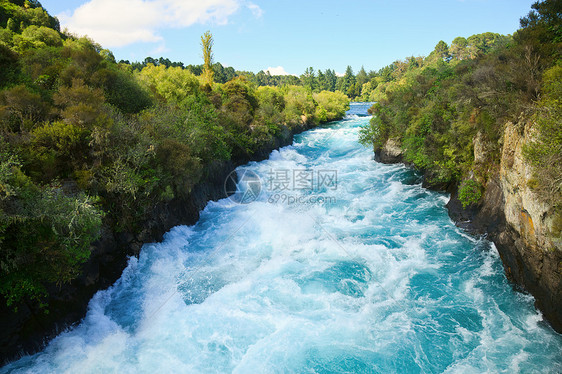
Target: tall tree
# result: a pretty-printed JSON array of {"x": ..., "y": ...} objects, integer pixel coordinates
[
  {"x": 442, "y": 50},
  {"x": 262, "y": 79},
  {"x": 347, "y": 81},
  {"x": 362, "y": 76},
  {"x": 322, "y": 82},
  {"x": 459, "y": 48},
  {"x": 546, "y": 16},
  {"x": 207, "y": 47},
  {"x": 308, "y": 79},
  {"x": 331, "y": 79}
]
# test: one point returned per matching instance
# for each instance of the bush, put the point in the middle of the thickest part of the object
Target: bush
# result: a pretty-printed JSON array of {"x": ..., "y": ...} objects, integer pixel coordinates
[
  {"x": 470, "y": 192},
  {"x": 23, "y": 107},
  {"x": 44, "y": 235},
  {"x": 171, "y": 85},
  {"x": 333, "y": 105},
  {"x": 180, "y": 169},
  {"x": 545, "y": 153},
  {"x": 300, "y": 106},
  {"x": 122, "y": 90},
  {"x": 81, "y": 105},
  {"x": 63, "y": 143},
  {"x": 41, "y": 36}
]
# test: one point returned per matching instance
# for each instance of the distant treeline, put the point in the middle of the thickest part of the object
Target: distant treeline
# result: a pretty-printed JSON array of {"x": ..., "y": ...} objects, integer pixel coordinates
[
  {"x": 359, "y": 87},
  {"x": 315, "y": 81}
]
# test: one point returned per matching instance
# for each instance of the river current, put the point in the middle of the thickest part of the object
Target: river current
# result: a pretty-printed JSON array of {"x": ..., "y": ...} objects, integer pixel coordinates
[{"x": 324, "y": 261}]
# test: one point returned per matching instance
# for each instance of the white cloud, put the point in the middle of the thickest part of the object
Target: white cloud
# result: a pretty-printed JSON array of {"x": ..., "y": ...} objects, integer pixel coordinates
[
  {"x": 279, "y": 70},
  {"x": 116, "y": 23},
  {"x": 339, "y": 74},
  {"x": 185, "y": 13},
  {"x": 159, "y": 49},
  {"x": 255, "y": 9}
]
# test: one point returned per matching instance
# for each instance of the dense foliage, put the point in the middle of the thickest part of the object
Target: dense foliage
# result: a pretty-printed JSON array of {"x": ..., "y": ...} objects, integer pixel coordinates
[
  {"x": 86, "y": 141},
  {"x": 438, "y": 107},
  {"x": 358, "y": 87}
]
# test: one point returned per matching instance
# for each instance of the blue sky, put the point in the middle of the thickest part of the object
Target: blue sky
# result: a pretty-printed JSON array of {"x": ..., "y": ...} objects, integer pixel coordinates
[{"x": 255, "y": 35}]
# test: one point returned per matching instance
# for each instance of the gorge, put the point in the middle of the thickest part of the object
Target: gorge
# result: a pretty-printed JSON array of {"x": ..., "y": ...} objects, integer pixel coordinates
[{"x": 367, "y": 274}]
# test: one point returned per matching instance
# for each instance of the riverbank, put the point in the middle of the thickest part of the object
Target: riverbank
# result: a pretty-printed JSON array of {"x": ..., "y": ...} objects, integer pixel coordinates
[
  {"x": 532, "y": 267},
  {"x": 29, "y": 328}
]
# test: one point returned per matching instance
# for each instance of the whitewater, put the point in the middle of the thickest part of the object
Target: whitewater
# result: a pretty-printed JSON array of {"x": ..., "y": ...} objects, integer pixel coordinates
[{"x": 330, "y": 263}]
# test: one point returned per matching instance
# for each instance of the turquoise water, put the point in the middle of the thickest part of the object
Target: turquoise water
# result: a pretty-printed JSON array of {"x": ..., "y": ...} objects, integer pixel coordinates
[{"x": 341, "y": 265}]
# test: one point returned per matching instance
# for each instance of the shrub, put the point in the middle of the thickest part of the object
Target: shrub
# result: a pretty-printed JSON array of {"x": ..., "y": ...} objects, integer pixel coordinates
[
  {"x": 545, "y": 153},
  {"x": 44, "y": 235},
  {"x": 171, "y": 85},
  {"x": 299, "y": 105},
  {"x": 24, "y": 108},
  {"x": 470, "y": 192},
  {"x": 41, "y": 36},
  {"x": 333, "y": 105},
  {"x": 64, "y": 143},
  {"x": 122, "y": 90}
]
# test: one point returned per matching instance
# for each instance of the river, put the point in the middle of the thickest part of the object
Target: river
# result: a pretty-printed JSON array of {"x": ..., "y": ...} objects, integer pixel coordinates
[{"x": 324, "y": 261}]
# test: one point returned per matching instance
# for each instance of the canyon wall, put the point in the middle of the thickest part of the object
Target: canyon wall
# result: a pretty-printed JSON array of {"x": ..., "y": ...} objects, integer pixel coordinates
[{"x": 512, "y": 215}]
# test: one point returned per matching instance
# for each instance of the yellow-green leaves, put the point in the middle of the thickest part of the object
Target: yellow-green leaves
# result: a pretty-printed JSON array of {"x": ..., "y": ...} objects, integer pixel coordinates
[
  {"x": 172, "y": 84},
  {"x": 207, "y": 49}
]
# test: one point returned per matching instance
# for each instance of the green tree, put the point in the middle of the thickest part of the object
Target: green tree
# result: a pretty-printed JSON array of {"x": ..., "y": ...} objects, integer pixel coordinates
[
  {"x": 300, "y": 107},
  {"x": 207, "y": 48},
  {"x": 331, "y": 105},
  {"x": 221, "y": 74},
  {"x": 45, "y": 234},
  {"x": 81, "y": 105},
  {"x": 41, "y": 35},
  {"x": 171, "y": 85},
  {"x": 386, "y": 72},
  {"x": 458, "y": 48},
  {"x": 331, "y": 80},
  {"x": 322, "y": 81},
  {"x": 347, "y": 81},
  {"x": 308, "y": 79},
  {"x": 441, "y": 51},
  {"x": 262, "y": 79},
  {"x": 546, "y": 17},
  {"x": 362, "y": 76},
  {"x": 121, "y": 89}
]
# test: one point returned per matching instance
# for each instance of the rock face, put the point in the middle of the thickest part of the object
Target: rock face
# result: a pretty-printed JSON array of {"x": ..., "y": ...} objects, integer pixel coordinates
[
  {"x": 529, "y": 216},
  {"x": 28, "y": 329},
  {"x": 535, "y": 259},
  {"x": 511, "y": 215},
  {"x": 519, "y": 224},
  {"x": 390, "y": 153}
]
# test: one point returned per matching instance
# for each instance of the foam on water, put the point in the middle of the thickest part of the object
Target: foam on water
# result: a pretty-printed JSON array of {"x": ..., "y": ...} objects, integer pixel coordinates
[{"x": 378, "y": 279}]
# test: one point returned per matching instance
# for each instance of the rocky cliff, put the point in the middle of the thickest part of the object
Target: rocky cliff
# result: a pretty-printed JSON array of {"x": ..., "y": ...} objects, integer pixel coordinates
[
  {"x": 531, "y": 253},
  {"x": 390, "y": 153},
  {"x": 512, "y": 216}
]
